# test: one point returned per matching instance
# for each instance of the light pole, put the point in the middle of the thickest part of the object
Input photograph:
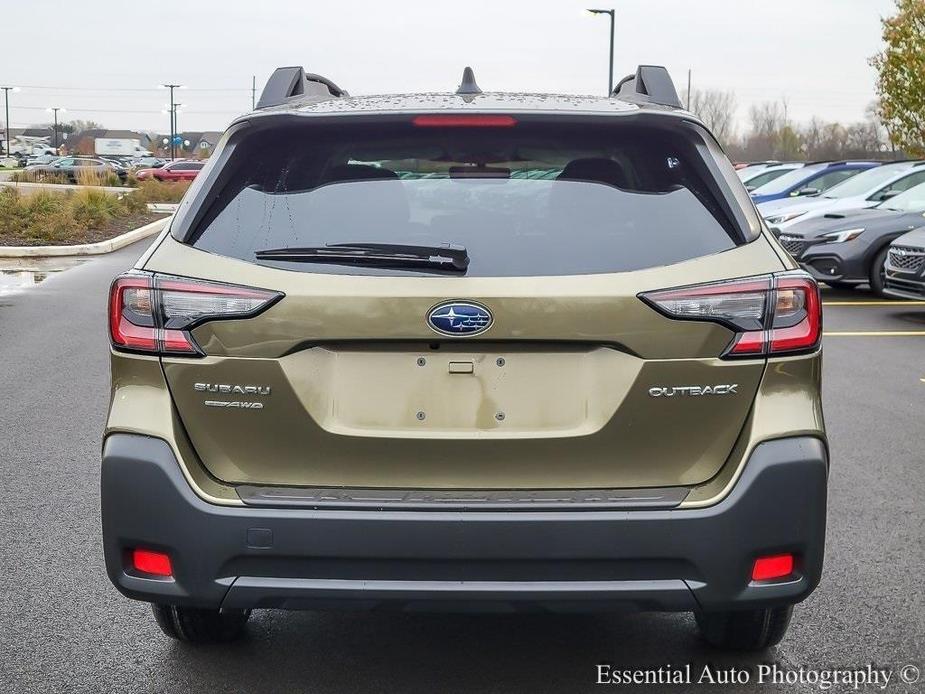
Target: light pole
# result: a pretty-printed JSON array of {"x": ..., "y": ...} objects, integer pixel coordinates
[
  {"x": 173, "y": 109},
  {"x": 176, "y": 128},
  {"x": 173, "y": 114},
  {"x": 6, "y": 123},
  {"x": 55, "y": 109},
  {"x": 610, "y": 63}
]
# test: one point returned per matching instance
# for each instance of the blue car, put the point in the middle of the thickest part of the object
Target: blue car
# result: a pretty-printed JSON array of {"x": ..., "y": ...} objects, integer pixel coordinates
[{"x": 811, "y": 179}]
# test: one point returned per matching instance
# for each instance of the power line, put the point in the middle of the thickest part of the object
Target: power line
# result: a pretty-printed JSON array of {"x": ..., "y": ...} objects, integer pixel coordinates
[
  {"x": 113, "y": 110},
  {"x": 131, "y": 89}
]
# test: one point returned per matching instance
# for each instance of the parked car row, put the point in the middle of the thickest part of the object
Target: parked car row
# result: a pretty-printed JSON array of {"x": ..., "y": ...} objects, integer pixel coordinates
[
  {"x": 866, "y": 228},
  {"x": 809, "y": 181},
  {"x": 71, "y": 168},
  {"x": 146, "y": 167}
]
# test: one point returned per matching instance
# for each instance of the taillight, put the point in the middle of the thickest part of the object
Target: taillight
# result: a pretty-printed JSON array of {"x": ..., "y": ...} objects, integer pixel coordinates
[
  {"x": 772, "y": 314},
  {"x": 797, "y": 315},
  {"x": 154, "y": 313},
  {"x": 131, "y": 313}
]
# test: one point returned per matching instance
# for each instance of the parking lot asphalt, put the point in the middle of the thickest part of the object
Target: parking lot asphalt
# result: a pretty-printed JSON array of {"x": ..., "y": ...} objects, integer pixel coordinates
[{"x": 64, "y": 628}]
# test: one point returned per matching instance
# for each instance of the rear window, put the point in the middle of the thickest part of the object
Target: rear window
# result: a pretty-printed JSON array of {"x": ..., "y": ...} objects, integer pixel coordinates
[{"x": 532, "y": 199}]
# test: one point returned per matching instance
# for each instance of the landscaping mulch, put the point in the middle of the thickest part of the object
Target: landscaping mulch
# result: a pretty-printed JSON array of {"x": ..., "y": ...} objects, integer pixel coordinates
[{"x": 115, "y": 227}]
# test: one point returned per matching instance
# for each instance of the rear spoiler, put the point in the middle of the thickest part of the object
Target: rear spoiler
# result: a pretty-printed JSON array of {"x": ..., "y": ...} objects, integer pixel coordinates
[
  {"x": 293, "y": 82},
  {"x": 650, "y": 85}
]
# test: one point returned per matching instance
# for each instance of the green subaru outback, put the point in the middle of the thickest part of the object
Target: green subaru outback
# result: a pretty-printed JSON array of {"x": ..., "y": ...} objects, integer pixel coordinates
[{"x": 466, "y": 351}]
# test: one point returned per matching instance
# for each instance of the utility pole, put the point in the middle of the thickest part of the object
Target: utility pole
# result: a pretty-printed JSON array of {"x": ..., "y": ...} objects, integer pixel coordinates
[
  {"x": 688, "y": 89},
  {"x": 173, "y": 117},
  {"x": 6, "y": 123},
  {"x": 612, "y": 14},
  {"x": 55, "y": 109},
  {"x": 253, "y": 92}
]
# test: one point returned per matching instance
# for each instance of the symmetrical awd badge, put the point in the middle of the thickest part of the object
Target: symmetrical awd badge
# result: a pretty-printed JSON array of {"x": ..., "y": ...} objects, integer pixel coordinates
[{"x": 232, "y": 389}]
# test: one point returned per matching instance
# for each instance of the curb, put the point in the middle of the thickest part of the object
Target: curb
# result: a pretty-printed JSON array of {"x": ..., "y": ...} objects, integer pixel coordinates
[
  {"x": 168, "y": 207},
  {"x": 97, "y": 248},
  {"x": 62, "y": 187}
]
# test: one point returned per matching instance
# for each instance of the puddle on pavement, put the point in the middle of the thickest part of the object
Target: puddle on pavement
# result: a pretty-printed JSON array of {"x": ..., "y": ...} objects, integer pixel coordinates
[{"x": 20, "y": 274}]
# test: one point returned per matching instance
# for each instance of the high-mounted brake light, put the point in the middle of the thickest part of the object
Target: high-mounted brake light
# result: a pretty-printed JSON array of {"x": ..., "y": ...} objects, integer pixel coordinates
[
  {"x": 772, "y": 314},
  {"x": 155, "y": 313},
  {"x": 464, "y": 120}
]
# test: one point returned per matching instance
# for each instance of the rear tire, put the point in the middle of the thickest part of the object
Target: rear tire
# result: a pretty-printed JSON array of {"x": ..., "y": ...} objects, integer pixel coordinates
[
  {"x": 195, "y": 625},
  {"x": 745, "y": 630},
  {"x": 878, "y": 272}
]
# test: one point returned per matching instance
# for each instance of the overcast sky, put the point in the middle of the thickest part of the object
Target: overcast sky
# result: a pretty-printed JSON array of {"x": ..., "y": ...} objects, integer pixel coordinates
[{"x": 102, "y": 59}]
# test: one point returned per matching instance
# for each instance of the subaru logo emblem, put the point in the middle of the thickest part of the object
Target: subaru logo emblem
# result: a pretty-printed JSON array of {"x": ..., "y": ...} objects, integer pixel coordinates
[{"x": 459, "y": 318}]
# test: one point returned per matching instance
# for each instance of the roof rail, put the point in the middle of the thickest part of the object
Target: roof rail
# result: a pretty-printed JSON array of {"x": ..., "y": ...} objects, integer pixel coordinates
[
  {"x": 842, "y": 162},
  {"x": 288, "y": 82},
  {"x": 650, "y": 85}
]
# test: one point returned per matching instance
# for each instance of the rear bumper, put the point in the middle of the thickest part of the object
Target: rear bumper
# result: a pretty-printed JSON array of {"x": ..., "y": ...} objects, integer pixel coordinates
[{"x": 678, "y": 560}]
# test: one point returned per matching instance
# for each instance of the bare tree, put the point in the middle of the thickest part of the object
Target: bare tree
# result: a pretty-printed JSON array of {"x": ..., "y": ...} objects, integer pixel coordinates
[
  {"x": 767, "y": 120},
  {"x": 864, "y": 139},
  {"x": 771, "y": 135},
  {"x": 717, "y": 109},
  {"x": 81, "y": 125},
  {"x": 768, "y": 117}
]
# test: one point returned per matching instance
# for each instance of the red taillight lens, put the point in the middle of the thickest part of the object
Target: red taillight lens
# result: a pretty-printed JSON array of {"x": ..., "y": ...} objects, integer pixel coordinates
[
  {"x": 152, "y": 563},
  {"x": 775, "y": 314},
  {"x": 449, "y": 120},
  {"x": 797, "y": 322},
  {"x": 750, "y": 343},
  {"x": 773, "y": 567},
  {"x": 131, "y": 313},
  {"x": 154, "y": 313}
]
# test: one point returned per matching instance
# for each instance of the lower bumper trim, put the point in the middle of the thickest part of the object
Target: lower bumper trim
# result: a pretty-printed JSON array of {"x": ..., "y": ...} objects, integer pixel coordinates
[{"x": 296, "y": 557}]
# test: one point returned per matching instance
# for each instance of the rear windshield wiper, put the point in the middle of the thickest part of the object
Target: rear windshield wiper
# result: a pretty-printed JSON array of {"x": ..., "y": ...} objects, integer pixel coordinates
[{"x": 444, "y": 258}]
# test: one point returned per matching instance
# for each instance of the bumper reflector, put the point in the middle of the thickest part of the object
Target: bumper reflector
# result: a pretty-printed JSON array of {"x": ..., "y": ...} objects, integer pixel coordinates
[
  {"x": 769, "y": 568},
  {"x": 154, "y": 563}
]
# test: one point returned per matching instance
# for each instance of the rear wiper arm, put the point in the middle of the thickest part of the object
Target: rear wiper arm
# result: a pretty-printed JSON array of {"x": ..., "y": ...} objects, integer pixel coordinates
[{"x": 446, "y": 257}]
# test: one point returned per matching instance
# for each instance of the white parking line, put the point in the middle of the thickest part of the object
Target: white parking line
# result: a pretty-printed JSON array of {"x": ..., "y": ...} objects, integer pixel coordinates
[
  {"x": 876, "y": 333},
  {"x": 874, "y": 303}
]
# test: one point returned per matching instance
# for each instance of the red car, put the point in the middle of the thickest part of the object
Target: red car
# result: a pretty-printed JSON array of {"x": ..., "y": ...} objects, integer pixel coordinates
[{"x": 174, "y": 171}]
